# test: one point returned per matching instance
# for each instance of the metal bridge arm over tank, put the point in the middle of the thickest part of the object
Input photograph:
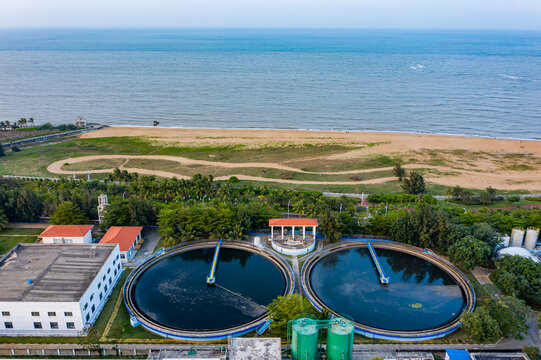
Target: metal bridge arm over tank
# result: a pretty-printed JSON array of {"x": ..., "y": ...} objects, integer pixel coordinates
[
  {"x": 382, "y": 276},
  {"x": 211, "y": 278}
]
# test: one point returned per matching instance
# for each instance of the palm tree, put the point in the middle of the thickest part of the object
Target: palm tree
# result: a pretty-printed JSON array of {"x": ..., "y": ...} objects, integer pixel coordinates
[
  {"x": 22, "y": 122},
  {"x": 31, "y": 121},
  {"x": 449, "y": 193}
]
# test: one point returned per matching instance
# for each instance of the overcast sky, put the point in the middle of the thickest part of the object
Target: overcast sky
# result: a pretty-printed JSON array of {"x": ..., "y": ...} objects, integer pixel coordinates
[{"x": 387, "y": 14}]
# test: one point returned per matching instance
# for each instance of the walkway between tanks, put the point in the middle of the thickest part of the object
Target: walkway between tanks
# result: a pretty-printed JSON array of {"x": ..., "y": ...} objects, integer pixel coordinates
[{"x": 296, "y": 272}]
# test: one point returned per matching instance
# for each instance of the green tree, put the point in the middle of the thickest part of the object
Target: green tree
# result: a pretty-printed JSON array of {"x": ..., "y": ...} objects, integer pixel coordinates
[
  {"x": 399, "y": 171},
  {"x": 480, "y": 326},
  {"x": 130, "y": 212},
  {"x": 26, "y": 206},
  {"x": 414, "y": 184},
  {"x": 285, "y": 308},
  {"x": 2, "y": 153},
  {"x": 469, "y": 252},
  {"x": 329, "y": 225},
  {"x": 3, "y": 220},
  {"x": 518, "y": 276},
  {"x": 497, "y": 318},
  {"x": 68, "y": 213}
]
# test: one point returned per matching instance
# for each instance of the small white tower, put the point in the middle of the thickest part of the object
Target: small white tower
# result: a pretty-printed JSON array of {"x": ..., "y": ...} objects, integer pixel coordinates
[{"x": 102, "y": 203}]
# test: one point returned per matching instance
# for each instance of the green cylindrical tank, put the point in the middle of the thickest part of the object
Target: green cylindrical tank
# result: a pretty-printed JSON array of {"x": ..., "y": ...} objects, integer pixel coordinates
[
  {"x": 340, "y": 339},
  {"x": 304, "y": 339}
]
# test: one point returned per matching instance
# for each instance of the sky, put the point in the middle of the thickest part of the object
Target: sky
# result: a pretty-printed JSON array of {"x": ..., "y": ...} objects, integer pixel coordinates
[{"x": 370, "y": 14}]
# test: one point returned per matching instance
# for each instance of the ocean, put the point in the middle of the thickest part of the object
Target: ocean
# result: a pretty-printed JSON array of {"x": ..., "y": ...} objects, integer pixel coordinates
[{"x": 447, "y": 82}]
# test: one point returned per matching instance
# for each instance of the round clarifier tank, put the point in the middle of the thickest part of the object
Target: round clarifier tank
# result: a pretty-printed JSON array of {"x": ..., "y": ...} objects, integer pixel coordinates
[
  {"x": 169, "y": 294},
  {"x": 423, "y": 300},
  {"x": 304, "y": 339},
  {"x": 340, "y": 339}
]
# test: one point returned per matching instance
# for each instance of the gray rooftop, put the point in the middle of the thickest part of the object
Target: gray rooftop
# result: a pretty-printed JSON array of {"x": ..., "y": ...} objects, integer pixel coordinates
[
  {"x": 255, "y": 349},
  {"x": 58, "y": 272}
]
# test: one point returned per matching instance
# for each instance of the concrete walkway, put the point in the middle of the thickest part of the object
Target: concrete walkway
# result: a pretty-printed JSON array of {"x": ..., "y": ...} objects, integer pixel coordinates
[
  {"x": 152, "y": 238},
  {"x": 295, "y": 263}
]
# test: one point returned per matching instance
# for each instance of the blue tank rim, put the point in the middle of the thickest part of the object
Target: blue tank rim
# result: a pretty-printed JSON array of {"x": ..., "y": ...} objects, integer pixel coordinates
[
  {"x": 202, "y": 335},
  {"x": 379, "y": 333}
]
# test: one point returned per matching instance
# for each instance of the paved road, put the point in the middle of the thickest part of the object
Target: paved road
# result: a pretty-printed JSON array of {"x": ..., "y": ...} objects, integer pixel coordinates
[
  {"x": 151, "y": 237},
  {"x": 67, "y": 349}
]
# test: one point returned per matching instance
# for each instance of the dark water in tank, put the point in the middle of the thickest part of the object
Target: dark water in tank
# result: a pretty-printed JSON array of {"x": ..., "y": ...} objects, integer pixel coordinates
[
  {"x": 420, "y": 295},
  {"x": 174, "y": 291}
]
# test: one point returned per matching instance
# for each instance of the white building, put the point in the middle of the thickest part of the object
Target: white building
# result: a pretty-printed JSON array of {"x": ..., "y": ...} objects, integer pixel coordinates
[
  {"x": 80, "y": 122},
  {"x": 127, "y": 237},
  {"x": 67, "y": 234},
  {"x": 55, "y": 290}
]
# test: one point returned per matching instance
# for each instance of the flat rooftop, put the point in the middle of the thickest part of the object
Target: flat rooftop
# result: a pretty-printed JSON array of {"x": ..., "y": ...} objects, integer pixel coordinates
[
  {"x": 59, "y": 273},
  {"x": 255, "y": 349}
]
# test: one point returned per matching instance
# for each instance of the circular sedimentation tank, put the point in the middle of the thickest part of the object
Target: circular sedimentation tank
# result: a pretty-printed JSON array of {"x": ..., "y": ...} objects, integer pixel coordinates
[
  {"x": 169, "y": 294},
  {"x": 304, "y": 339},
  {"x": 424, "y": 298},
  {"x": 340, "y": 339}
]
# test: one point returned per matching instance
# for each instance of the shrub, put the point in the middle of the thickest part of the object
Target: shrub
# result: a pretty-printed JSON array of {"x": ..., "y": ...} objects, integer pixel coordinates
[
  {"x": 287, "y": 176},
  {"x": 15, "y": 149},
  {"x": 532, "y": 352},
  {"x": 414, "y": 184},
  {"x": 399, "y": 198}
]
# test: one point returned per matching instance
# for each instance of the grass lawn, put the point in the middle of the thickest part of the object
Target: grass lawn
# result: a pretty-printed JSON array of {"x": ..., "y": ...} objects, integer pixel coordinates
[
  {"x": 21, "y": 231},
  {"x": 390, "y": 187},
  {"x": 122, "y": 329},
  {"x": 10, "y": 237},
  {"x": 496, "y": 205}
]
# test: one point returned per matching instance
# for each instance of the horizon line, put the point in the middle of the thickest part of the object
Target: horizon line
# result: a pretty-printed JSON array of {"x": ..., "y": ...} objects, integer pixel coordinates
[{"x": 264, "y": 28}]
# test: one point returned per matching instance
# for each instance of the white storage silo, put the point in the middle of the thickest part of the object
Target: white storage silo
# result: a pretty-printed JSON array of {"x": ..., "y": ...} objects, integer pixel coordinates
[
  {"x": 531, "y": 238},
  {"x": 516, "y": 237}
]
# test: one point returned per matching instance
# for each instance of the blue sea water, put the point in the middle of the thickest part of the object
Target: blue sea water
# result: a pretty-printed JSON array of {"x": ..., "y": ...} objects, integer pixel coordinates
[{"x": 453, "y": 82}]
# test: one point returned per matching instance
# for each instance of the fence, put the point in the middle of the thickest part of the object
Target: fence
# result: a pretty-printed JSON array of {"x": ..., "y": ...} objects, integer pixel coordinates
[{"x": 48, "y": 137}]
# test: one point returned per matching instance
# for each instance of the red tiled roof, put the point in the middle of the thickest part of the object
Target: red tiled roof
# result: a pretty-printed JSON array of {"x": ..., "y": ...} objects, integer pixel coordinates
[
  {"x": 66, "y": 230},
  {"x": 124, "y": 236},
  {"x": 293, "y": 222}
]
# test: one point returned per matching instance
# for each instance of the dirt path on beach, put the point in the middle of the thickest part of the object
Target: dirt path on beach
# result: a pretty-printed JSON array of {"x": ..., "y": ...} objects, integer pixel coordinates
[{"x": 506, "y": 180}]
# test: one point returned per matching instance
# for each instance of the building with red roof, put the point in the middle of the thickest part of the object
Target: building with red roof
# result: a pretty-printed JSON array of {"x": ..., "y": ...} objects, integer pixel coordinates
[
  {"x": 127, "y": 237},
  {"x": 67, "y": 234}
]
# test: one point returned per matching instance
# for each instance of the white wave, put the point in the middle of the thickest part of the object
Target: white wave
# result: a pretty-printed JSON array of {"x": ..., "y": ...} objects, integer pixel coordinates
[
  {"x": 417, "y": 67},
  {"x": 511, "y": 77}
]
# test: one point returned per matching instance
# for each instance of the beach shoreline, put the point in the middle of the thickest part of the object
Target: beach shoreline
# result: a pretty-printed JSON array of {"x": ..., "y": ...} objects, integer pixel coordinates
[
  {"x": 326, "y": 130},
  {"x": 390, "y": 141}
]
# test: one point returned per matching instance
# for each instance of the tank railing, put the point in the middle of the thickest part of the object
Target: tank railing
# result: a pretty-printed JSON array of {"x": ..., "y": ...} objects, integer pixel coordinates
[
  {"x": 382, "y": 277},
  {"x": 211, "y": 278}
]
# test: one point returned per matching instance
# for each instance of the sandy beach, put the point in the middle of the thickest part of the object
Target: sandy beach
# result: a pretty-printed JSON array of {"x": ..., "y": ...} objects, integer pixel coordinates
[
  {"x": 471, "y": 162},
  {"x": 394, "y": 142}
]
